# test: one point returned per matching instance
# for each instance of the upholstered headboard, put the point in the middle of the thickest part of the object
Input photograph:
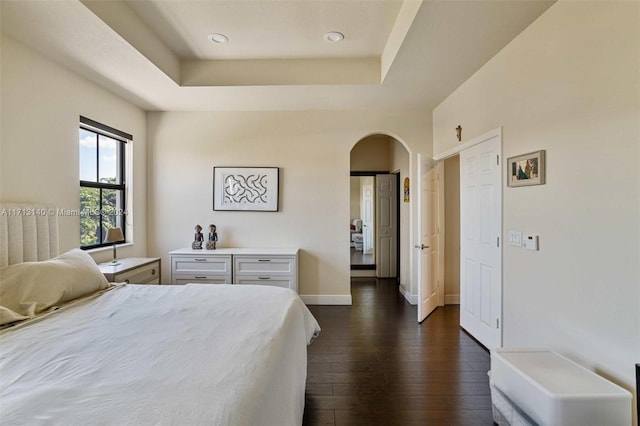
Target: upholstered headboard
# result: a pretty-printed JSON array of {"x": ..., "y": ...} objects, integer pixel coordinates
[{"x": 28, "y": 232}]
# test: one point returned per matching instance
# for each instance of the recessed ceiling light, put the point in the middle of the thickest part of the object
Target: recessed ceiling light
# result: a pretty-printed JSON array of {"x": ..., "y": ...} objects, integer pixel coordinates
[
  {"x": 333, "y": 37},
  {"x": 218, "y": 38}
]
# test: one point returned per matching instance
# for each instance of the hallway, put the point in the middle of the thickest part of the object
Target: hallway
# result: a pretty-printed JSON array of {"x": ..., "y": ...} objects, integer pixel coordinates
[{"x": 374, "y": 364}]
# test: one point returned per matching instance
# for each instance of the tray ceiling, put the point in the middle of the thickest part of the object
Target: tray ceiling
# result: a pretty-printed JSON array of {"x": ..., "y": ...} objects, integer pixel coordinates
[{"x": 395, "y": 54}]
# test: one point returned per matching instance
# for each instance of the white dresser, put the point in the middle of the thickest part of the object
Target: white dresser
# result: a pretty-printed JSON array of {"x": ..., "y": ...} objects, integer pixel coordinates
[{"x": 259, "y": 266}]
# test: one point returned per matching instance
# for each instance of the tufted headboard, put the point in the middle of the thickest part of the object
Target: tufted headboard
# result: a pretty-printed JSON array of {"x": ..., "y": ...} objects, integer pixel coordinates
[{"x": 28, "y": 232}]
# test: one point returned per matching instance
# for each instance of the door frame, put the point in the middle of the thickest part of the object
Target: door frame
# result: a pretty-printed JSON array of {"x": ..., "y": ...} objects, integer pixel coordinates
[
  {"x": 440, "y": 222},
  {"x": 398, "y": 233},
  {"x": 371, "y": 267},
  {"x": 398, "y": 214},
  {"x": 475, "y": 141},
  {"x": 456, "y": 151}
]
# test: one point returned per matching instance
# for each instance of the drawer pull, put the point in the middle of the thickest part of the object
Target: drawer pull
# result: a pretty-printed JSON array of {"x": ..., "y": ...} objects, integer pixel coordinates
[
  {"x": 264, "y": 260},
  {"x": 200, "y": 260},
  {"x": 199, "y": 278},
  {"x": 264, "y": 278},
  {"x": 153, "y": 272}
]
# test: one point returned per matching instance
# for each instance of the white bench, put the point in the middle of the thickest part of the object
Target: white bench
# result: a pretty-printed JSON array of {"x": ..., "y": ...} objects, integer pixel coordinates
[{"x": 548, "y": 389}]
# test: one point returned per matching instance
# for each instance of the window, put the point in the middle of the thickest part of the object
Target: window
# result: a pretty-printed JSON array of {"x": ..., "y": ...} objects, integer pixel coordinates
[{"x": 102, "y": 182}]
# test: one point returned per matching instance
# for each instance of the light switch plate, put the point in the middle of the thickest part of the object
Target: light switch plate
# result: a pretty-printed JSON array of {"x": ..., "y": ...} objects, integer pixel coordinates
[{"x": 515, "y": 238}]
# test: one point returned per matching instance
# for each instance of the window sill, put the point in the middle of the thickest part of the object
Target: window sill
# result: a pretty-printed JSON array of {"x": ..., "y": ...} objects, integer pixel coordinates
[{"x": 108, "y": 248}]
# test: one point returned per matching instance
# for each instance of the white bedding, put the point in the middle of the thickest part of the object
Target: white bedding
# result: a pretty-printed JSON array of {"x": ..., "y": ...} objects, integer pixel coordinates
[{"x": 147, "y": 355}]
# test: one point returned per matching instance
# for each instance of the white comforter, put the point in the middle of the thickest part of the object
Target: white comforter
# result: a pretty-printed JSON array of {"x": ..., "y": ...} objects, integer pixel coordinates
[{"x": 147, "y": 355}]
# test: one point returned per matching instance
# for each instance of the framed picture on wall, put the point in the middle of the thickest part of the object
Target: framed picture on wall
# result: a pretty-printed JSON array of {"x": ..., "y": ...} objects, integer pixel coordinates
[
  {"x": 527, "y": 169},
  {"x": 245, "y": 188}
]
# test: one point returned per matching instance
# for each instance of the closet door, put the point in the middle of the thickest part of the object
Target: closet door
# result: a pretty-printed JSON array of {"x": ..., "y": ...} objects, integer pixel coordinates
[
  {"x": 386, "y": 226},
  {"x": 480, "y": 235}
]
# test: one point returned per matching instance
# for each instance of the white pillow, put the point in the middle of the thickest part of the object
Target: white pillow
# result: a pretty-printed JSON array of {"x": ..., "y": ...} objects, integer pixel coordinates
[{"x": 29, "y": 288}]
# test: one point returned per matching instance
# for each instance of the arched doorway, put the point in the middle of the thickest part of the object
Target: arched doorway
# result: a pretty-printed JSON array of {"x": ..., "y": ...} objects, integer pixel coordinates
[{"x": 382, "y": 163}]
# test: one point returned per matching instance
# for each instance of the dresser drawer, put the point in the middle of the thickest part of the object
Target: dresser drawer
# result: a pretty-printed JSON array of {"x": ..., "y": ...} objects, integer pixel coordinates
[
  {"x": 276, "y": 281},
  {"x": 201, "y": 265},
  {"x": 200, "y": 279},
  {"x": 145, "y": 274},
  {"x": 264, "y": 265}
]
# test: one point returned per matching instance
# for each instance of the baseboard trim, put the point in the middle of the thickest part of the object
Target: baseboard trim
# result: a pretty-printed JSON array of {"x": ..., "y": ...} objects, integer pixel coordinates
[
  {"x": 451, "y": 299},
  {"x": 326, "y": 299},
  {"x": 411, "y": 298}
]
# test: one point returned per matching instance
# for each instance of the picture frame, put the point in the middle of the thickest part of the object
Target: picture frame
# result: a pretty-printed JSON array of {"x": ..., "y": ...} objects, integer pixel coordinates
[
  {"x": 526, "y": 169},
  {"x": 246, "y": 188}
]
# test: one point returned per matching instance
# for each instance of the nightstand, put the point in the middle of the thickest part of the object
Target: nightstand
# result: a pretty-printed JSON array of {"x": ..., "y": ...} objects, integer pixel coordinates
[{"x": 134, "y": 270}]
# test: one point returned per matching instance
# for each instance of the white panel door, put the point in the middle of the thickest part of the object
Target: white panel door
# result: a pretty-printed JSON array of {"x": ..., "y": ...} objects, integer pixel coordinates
[
  {"x": 428, "y": 245},
  {"x": 366, "y": 213},
  {"x": 480, "y": 240},
  {"x": 386, "y": 226}
]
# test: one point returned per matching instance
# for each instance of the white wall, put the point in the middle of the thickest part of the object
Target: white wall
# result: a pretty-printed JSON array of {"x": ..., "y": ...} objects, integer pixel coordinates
[
  {"x": 313, "y": 151},
  {"x": 371, "y": 154},
  {"x": 568, "y": 84},
  {"x": 41, "y": 105},
  {"x": 452, "y": 230},
  {"x": 400, "y": 161}
]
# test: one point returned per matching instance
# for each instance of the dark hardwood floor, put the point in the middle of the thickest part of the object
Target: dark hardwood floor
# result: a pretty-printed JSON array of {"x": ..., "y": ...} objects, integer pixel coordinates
[{"x": 374, "y": 364}]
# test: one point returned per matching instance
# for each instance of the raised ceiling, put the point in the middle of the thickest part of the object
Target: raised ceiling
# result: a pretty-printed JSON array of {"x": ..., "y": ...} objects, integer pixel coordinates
[
  {"x": 396, "y": 54},
  {"x": 270, "y": 30}
]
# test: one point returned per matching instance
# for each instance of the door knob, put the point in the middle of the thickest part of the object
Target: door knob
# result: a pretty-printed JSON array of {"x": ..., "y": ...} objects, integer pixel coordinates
[{"x": 421, "y": 246}]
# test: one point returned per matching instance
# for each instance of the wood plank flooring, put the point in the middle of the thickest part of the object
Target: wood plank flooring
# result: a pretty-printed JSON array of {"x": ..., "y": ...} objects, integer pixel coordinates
[{"x": 374, "y": 364}]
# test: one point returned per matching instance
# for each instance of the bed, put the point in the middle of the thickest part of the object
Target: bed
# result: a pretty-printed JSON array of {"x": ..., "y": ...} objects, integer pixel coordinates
[
  {"x": 92, "y": 353},
  {"x": 356, "y": 234}
]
